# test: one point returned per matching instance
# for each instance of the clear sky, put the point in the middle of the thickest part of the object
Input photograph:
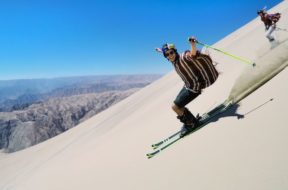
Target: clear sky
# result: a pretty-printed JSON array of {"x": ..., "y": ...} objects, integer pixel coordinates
[{"x": 56, "y": 38}]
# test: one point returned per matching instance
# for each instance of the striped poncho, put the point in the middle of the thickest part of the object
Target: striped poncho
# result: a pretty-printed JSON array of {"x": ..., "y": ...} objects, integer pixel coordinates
[{"x": 197, "y": 72}]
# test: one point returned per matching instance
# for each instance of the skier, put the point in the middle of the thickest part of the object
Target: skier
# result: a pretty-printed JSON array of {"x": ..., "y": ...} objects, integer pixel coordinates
[
  {"x": 270, "y": 21},
  {"x": 197, "y": 71}
]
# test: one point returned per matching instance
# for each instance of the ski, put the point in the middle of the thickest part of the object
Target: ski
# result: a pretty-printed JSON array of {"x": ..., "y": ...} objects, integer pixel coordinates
[
  {"x": 205, "y": 118},
  {"x": 156, "y": 145},
  {"x": 150, "y": 155}
]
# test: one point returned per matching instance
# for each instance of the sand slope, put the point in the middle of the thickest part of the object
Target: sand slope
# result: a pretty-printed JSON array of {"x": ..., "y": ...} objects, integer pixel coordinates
[{"x": 108, "y": 151}]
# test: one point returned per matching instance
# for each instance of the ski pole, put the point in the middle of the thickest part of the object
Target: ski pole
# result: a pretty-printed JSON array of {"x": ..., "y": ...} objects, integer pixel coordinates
[
  {"x": 283, "y": 29},
  {"x": 233, "y": 56}
]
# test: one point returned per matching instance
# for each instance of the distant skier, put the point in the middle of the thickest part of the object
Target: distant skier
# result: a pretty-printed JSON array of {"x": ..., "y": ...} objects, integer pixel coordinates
[
  {"x": 197, "y": 71},
  {"x": 270, "y": 21}
]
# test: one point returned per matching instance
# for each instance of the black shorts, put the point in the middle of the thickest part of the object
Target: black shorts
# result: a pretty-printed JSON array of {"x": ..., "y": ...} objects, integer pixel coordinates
[{"x": 184, "y": 97}]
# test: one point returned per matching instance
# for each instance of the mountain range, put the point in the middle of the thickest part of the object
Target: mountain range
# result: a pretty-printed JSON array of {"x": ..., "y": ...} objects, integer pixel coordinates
[{"x": 32, "y": 118}]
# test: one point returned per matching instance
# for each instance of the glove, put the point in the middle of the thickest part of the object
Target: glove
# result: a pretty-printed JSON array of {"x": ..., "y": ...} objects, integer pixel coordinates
[{"x": 192, "y": 39}]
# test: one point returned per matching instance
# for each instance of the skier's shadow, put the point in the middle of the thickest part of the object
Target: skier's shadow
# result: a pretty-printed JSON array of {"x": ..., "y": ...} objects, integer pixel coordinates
[{"x": 231, "y": 112}]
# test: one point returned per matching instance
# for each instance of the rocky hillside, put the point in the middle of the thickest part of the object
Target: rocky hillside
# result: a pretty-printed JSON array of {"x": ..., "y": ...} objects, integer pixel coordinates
[
  {"x": 19, "y": 94},
  {"x": 26, "y": 100},
  {"x": 41, "y": 121}
]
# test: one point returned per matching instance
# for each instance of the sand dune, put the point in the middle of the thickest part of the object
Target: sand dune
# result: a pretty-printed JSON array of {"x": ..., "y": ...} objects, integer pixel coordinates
[{"x": 108, "y": 151}]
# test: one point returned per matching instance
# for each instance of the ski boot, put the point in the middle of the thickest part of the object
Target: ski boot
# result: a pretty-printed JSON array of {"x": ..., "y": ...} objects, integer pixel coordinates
[
  {"x": 190, "y": 122},
  {"x": 186, "y": 129}
]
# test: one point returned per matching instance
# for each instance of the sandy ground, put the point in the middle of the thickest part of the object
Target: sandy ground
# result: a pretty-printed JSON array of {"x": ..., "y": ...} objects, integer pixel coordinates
[{"x": 108, "y": 151}]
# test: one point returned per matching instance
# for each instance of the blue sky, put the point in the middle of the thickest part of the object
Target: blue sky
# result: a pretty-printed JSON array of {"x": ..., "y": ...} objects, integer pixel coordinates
[{"x": 56, "y": 38}]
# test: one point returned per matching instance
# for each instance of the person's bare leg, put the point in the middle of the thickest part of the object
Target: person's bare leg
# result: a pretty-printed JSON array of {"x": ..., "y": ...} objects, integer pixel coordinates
[{"x": 179, "y": 111}]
